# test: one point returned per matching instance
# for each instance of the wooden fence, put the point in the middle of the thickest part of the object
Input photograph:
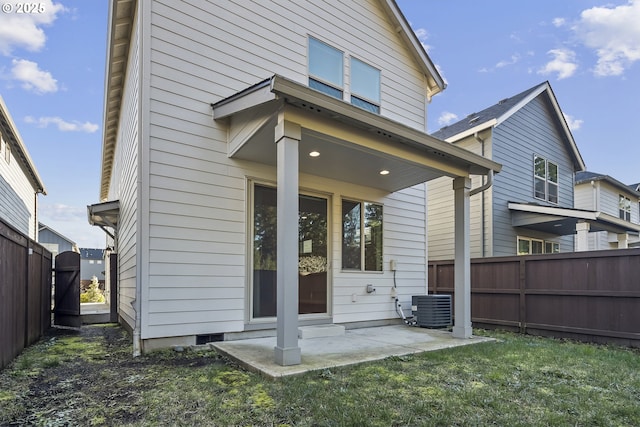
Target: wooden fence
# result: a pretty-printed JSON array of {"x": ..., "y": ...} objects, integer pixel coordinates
[
  {"x": 590, "y": 296},
  {"x": 25, "y": 292}
]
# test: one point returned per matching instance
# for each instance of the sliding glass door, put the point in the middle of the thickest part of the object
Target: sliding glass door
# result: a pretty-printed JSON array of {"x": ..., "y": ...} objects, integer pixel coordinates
[{"x": 312, "y": 253}]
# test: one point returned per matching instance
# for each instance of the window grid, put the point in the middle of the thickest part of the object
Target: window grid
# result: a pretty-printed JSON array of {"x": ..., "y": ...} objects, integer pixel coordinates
[
  {"x": 545, "y": 180},
  {"x": 531, "y": 246},
  {"x": 624, "y": 208}
]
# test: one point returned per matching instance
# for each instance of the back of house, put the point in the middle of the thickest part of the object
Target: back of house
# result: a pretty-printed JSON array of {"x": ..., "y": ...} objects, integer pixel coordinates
[
  {"x": 527, "y": 209},
  {"x": 196, "y": 185}
]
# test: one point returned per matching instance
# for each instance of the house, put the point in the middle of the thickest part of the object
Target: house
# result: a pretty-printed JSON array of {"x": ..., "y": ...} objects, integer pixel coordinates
[
  {"x": 91, "y": 264},
  {"x": 20, "y": 182},
  {"x": 264, "y": 168},
  {"x": 529, "y": 207},
  {"x": 610, "y": 198},
  {"x": 54, "y": 241}
]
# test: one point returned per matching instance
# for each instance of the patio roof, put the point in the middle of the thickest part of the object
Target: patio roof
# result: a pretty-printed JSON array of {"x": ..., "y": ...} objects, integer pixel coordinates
[
  {"x": 562, "y": 221},
  {"x": 355, "y": 145}
]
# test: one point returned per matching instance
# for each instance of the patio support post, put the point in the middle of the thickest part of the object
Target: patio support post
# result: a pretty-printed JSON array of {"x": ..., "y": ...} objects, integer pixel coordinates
[
  {"x": 623, "y": 241},
  {"x": 582, "y": 236},
  {"x": 462, "y": 262},
  {"x": 287, "y": 136}
]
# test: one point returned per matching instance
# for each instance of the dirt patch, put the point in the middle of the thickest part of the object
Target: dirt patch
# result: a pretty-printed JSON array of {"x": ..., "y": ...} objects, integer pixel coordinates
[{"x": 85, "y": 376}]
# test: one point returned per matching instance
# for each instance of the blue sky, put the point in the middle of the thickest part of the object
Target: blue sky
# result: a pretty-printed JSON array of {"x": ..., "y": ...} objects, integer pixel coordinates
[{"x": 52, "y": 80}]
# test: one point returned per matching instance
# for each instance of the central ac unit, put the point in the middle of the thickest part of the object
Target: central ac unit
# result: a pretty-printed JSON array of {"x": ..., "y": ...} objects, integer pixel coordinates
[{"x": 431, "y": 311}]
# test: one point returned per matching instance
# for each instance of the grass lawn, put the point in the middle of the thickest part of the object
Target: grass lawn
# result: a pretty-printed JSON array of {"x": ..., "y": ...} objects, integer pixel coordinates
[{"x": 90, "y": 378}]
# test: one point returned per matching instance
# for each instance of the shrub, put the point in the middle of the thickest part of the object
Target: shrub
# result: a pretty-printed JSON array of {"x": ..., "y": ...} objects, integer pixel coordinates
[{"x": 93, "y": 293}]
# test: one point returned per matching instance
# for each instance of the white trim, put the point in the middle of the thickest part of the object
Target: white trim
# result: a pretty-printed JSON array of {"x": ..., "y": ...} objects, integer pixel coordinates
[{"x": 486, "y": 125}]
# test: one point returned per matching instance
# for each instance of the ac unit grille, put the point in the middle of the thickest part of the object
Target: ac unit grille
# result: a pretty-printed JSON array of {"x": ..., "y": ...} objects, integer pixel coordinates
[{"x": 432, "y": 311}]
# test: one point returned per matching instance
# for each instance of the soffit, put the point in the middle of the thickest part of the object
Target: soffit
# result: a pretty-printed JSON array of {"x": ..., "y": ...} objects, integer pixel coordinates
[{"x": 354, "y": 144}]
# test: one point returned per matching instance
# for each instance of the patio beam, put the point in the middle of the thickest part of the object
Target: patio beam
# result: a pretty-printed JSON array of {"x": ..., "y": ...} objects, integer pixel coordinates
[
  {"x": 287, "y": 138},
  {"x": 462, "y": 262}
]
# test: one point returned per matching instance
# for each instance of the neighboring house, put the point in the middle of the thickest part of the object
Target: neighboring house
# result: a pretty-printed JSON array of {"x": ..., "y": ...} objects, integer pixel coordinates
[
  {"x": 92, "y": 264},
  {"x": 610, "y": 198},
  {"x": 271, "y": 152},
  {"x": 55, "y": 242},
  {"x": 528, "y": 209},
  {"x": 20, "y": 183}
]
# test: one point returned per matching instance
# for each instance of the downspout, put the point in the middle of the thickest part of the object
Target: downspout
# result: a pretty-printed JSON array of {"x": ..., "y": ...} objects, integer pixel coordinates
[{"x": 482, "y": 188}]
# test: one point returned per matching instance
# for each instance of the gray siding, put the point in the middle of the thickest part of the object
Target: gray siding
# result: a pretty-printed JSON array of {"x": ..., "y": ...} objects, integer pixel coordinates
[
  {"x": 12, "y": 208},
  {"x": 530, "y": 131}
]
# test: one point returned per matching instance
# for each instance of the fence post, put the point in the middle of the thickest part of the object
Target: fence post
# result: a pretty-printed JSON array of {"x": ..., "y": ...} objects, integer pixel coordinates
[{"x": 523, "y": 297}]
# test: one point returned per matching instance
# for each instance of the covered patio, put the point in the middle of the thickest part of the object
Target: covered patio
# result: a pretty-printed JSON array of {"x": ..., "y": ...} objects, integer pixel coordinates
[
  {"x": 565, "y": 221},
  {"x": 299, "y": 130},
  {"x": 351, "y": 347}
]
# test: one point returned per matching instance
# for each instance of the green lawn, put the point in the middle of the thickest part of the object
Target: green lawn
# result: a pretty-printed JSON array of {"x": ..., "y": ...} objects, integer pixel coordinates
[{"x": 91, "y": 379}]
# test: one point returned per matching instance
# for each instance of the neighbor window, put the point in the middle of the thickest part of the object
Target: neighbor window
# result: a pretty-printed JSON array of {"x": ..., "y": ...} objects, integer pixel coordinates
[
  {"x": 545, "y": 180},
  {"x": 624, "y": 208},
  {"x": 325, "y": 68},
  {"x": 365, "y": 86},
  {"x": 529, "y": 246},
  {"x": 361, "y": 236}
]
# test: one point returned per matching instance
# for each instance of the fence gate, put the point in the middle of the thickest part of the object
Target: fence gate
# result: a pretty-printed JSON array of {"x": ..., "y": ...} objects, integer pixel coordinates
[{"x": 66, "y": 311}]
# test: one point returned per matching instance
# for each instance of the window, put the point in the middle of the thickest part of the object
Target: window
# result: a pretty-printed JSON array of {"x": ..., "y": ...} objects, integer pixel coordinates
[
  {"x": 325, "y": 68},
  {"x": 545, "y": 180},
  {"x": 365, "y": 86},
  {"x": 624, "y": 208},
  {"x": 529, "y": 246},
  {"x": 361, "y": 236}
]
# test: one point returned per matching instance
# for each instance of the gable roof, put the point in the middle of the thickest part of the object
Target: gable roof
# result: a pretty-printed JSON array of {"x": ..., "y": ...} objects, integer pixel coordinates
[
  {"x": 496, "y": 114},
  {"x": 42, "y": 227},
  {"x": 19, "y": 150},
  {"x": 586, "y": 177},
  {"x": 121, "y": 15}
]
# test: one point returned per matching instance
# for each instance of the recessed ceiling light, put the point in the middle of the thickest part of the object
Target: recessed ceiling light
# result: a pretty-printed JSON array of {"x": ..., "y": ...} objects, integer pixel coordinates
[
  {"x": 314, "y": 154},
  {"x": 384, "y": 172}
]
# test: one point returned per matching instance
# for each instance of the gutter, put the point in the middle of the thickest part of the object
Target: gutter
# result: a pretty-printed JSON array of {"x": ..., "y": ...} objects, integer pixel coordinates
[{"x": 480, "y": 189}]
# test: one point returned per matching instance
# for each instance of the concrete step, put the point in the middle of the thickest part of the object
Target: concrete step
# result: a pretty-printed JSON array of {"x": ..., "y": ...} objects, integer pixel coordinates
[{"x": 320, "y": 331}]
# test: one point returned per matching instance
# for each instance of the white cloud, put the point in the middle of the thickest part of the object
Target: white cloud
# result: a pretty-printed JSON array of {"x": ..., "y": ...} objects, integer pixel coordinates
[
  {"x": 24, "y": 30},
  {"x": 514, "y": 58},
  {"x": 558, "y": 22},
  {"x": 32, "y": 77},
  {"x": 63, "y": 125},
  {"x": 61, "y": 212},
  {"x": 574, "y": 124},
  {"x": 614, "y": 34},
  {"x": 423, "y": 35},
  {"x": 446, "y": 118},
  {"x": 563, "y": 63}
]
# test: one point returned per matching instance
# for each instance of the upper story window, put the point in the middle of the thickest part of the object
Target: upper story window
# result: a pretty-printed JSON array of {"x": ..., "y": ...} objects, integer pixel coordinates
[
  {"x": 361, "y": 236},
  {"x": 326, "y": 68},
  {"x": 545, "y": 179},
  {"x": 624, "y": 208},
  {"x": 365, "y": 86}
]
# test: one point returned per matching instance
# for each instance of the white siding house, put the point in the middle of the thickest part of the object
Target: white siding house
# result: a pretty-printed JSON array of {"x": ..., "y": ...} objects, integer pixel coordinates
[
  {"x": 619, "y": 202},
  {"x": 235, "y": 133},
  {"x": 20, "y": 183},
  {"x": 528, "y": 208}
]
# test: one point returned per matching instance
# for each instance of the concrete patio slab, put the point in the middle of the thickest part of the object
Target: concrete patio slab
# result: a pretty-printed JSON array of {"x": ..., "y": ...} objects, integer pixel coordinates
[{"x": 355, "y": 346}]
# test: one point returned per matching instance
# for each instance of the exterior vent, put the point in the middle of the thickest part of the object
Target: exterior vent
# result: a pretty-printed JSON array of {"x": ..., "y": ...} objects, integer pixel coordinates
[
  {"x": 474, "y": 120},
  {"x": 432, "y": 311}
]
